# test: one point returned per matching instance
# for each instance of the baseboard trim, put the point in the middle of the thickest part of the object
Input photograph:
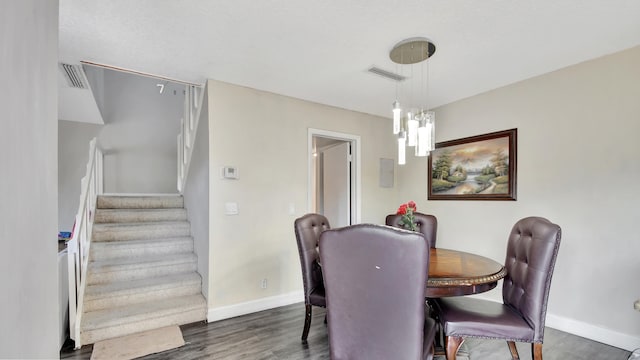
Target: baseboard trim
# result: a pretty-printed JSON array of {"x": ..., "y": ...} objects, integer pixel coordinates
[
  {"x": 589, "y": 331},
  {"x": 575, "y": 327},
  {"x": 227, "y": 312},
  {"x": 592, "y": 332}
]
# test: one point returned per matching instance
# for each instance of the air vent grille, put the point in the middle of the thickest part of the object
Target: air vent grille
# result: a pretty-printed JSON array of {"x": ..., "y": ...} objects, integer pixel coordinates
[
  {"x": 386, "y": 74},
  {"x": 74, "y": 74}
]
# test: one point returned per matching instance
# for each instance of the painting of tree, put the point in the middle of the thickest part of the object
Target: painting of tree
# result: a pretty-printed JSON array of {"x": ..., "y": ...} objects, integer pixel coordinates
[{"x": 475, "y": 168}]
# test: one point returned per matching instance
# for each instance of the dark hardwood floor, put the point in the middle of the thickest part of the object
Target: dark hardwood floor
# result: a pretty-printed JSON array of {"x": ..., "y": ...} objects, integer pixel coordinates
[{"x": 275, "y": 335}]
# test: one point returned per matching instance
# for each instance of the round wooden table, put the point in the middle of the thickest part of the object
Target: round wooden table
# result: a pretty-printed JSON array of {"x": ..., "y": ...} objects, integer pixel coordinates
[{"x": 456, "y": 273}]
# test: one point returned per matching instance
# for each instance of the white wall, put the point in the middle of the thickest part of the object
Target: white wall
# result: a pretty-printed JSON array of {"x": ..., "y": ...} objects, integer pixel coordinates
[
  {"x": 28, "y": 179},
  {"x": 63, "y": 296},
  {"x": 578, "y": 166},
  {"x": 73, "y": 155},
  {"x": 265, "y": 136},
  {"x": 196, "y": 194},
  {"x": 139, "y": 136}
]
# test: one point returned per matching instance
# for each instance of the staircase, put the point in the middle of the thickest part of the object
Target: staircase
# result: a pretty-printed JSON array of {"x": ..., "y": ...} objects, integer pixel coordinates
[{"x": 142, "y": 268}]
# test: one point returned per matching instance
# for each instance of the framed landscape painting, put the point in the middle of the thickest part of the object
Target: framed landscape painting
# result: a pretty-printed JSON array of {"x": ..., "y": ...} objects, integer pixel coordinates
[{"x": 479, "y": 167}]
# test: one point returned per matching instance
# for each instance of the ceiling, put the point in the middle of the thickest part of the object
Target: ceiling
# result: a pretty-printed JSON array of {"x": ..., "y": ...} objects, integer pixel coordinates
[{"x": 320, "y": 50}]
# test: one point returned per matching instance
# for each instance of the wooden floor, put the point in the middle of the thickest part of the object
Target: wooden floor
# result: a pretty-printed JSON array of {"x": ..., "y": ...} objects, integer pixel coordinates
[{"x": 275, "y": 334}]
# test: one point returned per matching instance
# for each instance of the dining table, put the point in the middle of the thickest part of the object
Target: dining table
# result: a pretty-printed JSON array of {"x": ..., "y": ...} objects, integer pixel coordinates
[{"x": 458, "y": 273}]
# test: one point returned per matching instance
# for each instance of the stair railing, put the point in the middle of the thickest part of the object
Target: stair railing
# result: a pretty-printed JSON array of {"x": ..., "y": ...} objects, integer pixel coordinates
[
  {"x": 188, "y": 126},
  {"x": 78, "y": 247}
]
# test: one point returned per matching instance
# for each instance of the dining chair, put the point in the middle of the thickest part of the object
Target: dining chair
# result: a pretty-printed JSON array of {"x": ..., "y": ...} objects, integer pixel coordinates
[
  {"x": 427, "y": 225},
  {"x": 308, "y": 229},
  {"x": 532, "y": 249},
  {"x": 375, "y": 279}
]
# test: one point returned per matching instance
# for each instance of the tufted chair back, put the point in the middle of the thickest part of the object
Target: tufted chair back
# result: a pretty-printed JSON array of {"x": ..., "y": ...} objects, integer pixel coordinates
[
  {"x": 375, "y": 279},
  {"x": 427, "y": 225},
  {"x": 531, "y": 255},
  {"x": 308, "y": 229}
]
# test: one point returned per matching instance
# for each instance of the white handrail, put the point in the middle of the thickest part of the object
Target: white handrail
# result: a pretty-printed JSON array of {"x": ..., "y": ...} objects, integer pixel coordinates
[
  {"x": 78, "y": 247},
  {"x": 188, "y": 126}
]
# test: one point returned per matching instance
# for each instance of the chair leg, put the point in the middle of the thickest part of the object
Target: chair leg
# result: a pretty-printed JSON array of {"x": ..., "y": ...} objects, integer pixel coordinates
[
  {"x": 439, "y": 340},
  {"x": 536, "y": 351},
  {"x": 453, "y": 344},
  {"x": 513, "y": 349},
  {"x": 307, "y": 322}
]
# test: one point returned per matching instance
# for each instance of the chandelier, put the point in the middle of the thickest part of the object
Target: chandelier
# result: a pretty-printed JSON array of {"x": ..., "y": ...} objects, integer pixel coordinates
[{"x": 413, "y": 123}]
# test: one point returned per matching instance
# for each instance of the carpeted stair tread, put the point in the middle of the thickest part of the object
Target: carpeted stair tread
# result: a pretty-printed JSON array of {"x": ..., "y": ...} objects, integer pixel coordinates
[
  {"x": 145, "y": 230},
  {"x": 120, "y": 288},
  {"x": 138, "y": 262},
  {"x": 142, "y": 271},
  {"x": 102, "y": 250},
  {"x": 134, "y": 268},
  {"x": 139, "y": 215},
  {"x": 139, "y": 312},
  {"x": 140, "y": 202},
  {"x": 124, "y": 293},
  {"x": 142, "y": 242},
  {"x": 125, "y": 226},
  {"x": 109, "y": 332}
]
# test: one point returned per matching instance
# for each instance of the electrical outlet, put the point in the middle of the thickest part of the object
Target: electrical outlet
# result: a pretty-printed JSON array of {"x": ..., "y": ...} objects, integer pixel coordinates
[{"x": 263, "y": 284}]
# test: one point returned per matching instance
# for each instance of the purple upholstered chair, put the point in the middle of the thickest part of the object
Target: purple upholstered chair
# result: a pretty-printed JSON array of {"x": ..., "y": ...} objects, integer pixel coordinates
[
  {"x": 375, "y": 278},
  {"x": 308, "y": 229},
  {"x": 531, "y": 255},
  {"x": 427, "y": 225}
]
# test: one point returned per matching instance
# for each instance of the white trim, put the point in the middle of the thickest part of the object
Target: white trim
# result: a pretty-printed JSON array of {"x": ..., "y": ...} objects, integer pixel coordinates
[
  {"x": 135, "y": 72},
  {"x": 356, "y": 160},
  {"x": 596, "y": 333},
  {"x": 227, "y": 312},
  {"x": 589, "y": 331},
  {"x": 579, "y": 328}
]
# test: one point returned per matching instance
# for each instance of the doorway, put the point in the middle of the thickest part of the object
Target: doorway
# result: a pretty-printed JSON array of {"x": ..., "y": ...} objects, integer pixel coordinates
[{"x": 334, "y": 176}]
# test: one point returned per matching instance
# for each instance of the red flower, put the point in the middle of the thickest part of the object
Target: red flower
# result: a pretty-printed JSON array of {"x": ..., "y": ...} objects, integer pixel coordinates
[{"x": 408, "y": 220}]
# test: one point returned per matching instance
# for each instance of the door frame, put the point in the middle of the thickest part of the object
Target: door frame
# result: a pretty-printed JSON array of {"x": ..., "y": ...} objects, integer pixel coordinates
[{"x": 356, "y": 191}]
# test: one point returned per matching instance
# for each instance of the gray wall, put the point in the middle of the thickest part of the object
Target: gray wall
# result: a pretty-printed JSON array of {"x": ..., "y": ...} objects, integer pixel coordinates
[
  {"x": 577, "y": 166},
  {"x": 196, "y": 194},
  {"x": 28, "y": 185},
  {"x": 268, "y": 143},
  {"x": 139, "y": 136},
  {"x": 73, "y": 155}
]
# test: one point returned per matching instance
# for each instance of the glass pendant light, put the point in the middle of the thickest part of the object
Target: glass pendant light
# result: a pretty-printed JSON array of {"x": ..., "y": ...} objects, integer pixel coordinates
[
  {"x": 402, "y": 147},
  {"x": 412, "y": 129},
  {"x": 397, "y": 111},
  {"x": 417, "y": 127},
  {"x": 426, "y": 132}
]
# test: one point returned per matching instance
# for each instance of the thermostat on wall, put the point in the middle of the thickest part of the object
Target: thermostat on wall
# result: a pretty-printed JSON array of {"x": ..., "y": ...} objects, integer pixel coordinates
[{"x": 230, "y": 172}]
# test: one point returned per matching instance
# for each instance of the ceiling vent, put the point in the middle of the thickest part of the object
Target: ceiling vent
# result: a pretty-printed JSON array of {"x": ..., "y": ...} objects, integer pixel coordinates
[
  {"x": 74, "y": 74},
  {"x": 387, "y": 74}
]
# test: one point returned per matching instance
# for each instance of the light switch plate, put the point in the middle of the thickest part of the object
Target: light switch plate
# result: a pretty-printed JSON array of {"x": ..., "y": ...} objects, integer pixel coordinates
[
  {"x": 231, "y": 208},
  {"x": 230, "y": 172}
]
